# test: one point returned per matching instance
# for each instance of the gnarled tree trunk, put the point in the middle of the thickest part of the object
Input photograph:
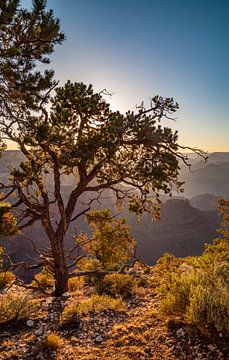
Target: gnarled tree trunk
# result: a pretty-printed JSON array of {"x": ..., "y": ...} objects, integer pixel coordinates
[{"x": 60, "y": 266}]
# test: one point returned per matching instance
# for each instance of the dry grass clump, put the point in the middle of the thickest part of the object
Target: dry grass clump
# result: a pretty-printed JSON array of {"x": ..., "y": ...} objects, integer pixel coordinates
[
  {"x": 15, "y": 307},
  {"x": 75, "y": 284},
  {"x": 44, "y": 279},
  {"x": 6, "y": 278},
  {"x": 117, "y": 285},
  {"x": 51, "y": 342},
  {"x": 93, "y": 304}
]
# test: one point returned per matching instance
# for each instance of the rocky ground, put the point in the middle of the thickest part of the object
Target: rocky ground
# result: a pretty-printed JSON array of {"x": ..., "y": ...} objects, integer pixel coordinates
[{"x": 138, "y": 332}]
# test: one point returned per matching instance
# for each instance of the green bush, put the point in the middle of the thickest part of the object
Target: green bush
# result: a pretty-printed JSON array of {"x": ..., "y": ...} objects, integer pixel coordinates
[
  {"x": 209, "y": 307},
  {"x": 168, "y": 263},
  {"x": 93, "y": 304},
  {"x": 75, "y": 283},
  {"x": 175, "y": 290},
  {"x": 6, "y": 278},
  {"x": 15, "y": 307},
  {"x": 199, "y": 293},
  {"x": 116, "y": 284},
  {"x": 111, "y": 245},
  {"x": 45, "y": 279}
]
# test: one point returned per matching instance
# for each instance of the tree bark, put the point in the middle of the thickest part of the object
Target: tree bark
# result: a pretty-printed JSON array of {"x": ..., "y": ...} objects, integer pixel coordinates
[
  {"x": 60, "y": 267},
  {"x": 61, "y": 280}
]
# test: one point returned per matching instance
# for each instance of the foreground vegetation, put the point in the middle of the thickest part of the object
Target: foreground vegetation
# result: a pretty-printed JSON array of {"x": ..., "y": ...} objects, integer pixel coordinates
[{"x": 143, "y": 324}]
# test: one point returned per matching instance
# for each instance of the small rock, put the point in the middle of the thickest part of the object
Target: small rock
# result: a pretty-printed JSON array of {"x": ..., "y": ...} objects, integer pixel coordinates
[
  {"x": 147, "y": 350},
  {"x": 39, "y": 357},
  {"x": 39, "y": 331},
  {"x": 65, "y": 295},
  {"x": 29, "y": 323},
  {"x": 3, "y": 347},
  {"x": 99, "y": 339},
  {"x": 180, "y": 332},
  {"x": 211, "y": 347}
]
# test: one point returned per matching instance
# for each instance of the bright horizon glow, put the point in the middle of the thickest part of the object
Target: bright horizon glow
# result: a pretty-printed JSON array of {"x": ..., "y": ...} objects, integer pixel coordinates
[{"x": 138, "y": 49}]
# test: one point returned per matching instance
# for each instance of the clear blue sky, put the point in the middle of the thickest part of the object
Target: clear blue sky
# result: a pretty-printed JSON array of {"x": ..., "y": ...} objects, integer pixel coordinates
[{"x": 137, "y": 49}]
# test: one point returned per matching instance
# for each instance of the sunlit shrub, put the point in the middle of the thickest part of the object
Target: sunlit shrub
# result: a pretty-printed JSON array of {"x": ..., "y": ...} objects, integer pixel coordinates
[
  {"x": 75, "y": 283},
  {"x": 199, "y": 293},
  {"x": 116, "y": 284},
  {"x": 111, "y": 244},
  {"x": 93, "y": 304},
  {"x": 15, "y": 307},
  {"x": 51, "y": 342},
  {"x": 45, "y": 279},
  {"x": 209, "y": 306},
  {"x": 6, "y": 278},
  {"x": 168, "y": 263}
]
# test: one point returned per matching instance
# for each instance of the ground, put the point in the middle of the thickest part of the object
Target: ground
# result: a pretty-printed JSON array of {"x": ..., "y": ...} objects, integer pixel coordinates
[{"x": 140, "y": 332}]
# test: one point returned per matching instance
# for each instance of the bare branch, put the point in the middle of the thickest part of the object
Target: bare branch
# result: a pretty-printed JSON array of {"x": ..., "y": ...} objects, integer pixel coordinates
[{"x": 80, "y": 214}]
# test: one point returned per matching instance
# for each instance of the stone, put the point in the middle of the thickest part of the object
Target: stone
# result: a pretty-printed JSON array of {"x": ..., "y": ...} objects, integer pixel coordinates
[
  {"x": 211, "y": 347},
  {"x": 65, "y": 295},
  {"x": 147, "y": 350},
  {"x": 180, "y": 332},
  {"x": 29, "y": 323},
  {"x": 39, "y": 331},
  {"x": 99, "y": 339}
]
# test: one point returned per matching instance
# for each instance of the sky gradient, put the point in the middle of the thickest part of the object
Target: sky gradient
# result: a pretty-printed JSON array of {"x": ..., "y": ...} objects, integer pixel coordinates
[{"x": 138, "y": 49}]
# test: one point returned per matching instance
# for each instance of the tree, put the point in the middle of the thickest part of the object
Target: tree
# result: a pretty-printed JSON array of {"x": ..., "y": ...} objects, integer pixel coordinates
[
  {"x": 26, "y": 38},
  {"x": 130, "y": 154}
]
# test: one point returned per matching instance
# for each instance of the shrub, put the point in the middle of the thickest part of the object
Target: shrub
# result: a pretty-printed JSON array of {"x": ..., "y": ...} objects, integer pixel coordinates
[
  {"x": 51, "y": 342},
  {"x": 168, "y": 263},
  {"x": 116, "y": 284},
  {"x": 45, "y": 278},
  {"x": 175, "y": 290},
  {"x": 94, "y": 304},
  {"x": 6, "y": 278},
  {"x": 111, "y": 244},
  {"x": 199, "y": 293},
  {"x": 15, "y": 307},
  {"x": 87, "y": 264},
  {"x": 209, "y": 307},
  {"x": 145, "y": 282},
  {"x": 70, "y": 314},
  {"x": 75, "y": 283}
]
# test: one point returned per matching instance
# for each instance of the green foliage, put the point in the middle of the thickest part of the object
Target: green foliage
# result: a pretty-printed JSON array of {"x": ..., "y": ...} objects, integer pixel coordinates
[
  {"x": 75, "y": 283},
  {"x": 94, "y": 304},
  {"x": 1, "y": 256},
  {"x": 15, "y": 307},
  {"x": 198, "y": 290},
  {"x": 209, "y": 305},
  {"x": 111, "y": 245},
  {"x": 168, "y": 263},
  {"x": 116, "y": 285},
  {"x": 8, "y": 223},
  {"x": 224, "y": 210},
  {"x": 45, "y": 279},
  {"x": 176, "y": 291},
  {"x": 6, "y": 278},
  {"x": 26, "y": 37}
]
